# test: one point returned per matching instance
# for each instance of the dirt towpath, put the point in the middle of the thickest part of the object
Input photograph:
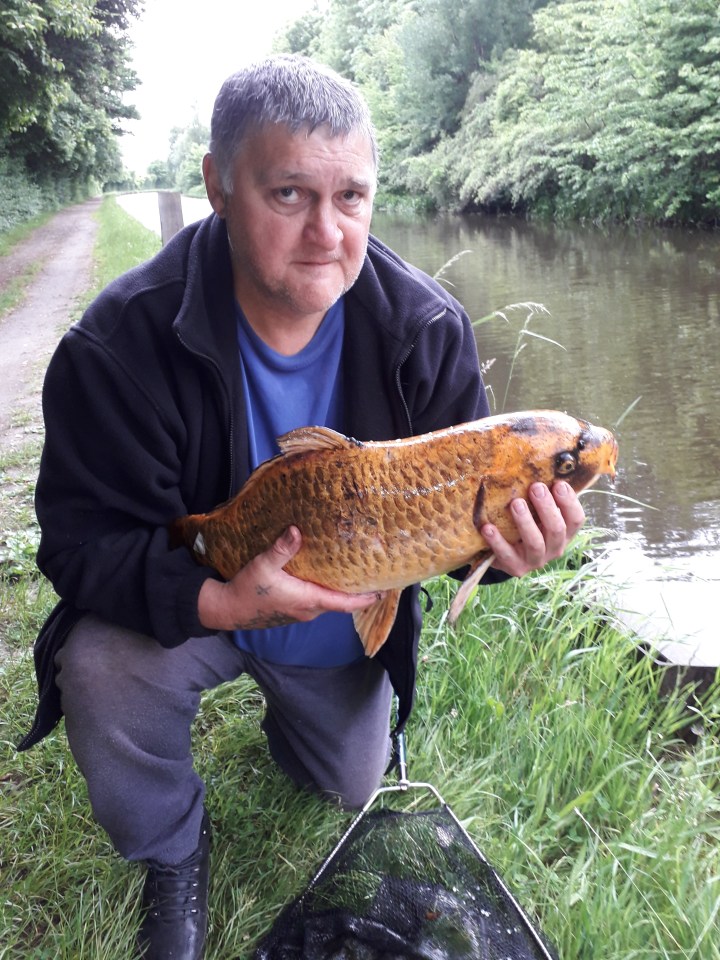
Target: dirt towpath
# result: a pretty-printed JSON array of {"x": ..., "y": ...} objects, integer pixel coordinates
[{"x": 61, "y": 250}]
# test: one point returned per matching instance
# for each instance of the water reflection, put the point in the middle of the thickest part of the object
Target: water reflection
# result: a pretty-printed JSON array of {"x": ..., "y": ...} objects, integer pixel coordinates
[{"x": 637, "y": 313}]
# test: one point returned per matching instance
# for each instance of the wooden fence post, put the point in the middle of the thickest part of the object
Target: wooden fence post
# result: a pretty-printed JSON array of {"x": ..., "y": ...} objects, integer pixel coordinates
[{"x": 171, "y": 215}]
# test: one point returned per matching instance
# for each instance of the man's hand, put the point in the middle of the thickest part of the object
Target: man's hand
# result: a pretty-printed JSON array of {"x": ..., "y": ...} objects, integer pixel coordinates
[
  {"x": 559, "y": 517},
  {"x": 262, "y": 594}
]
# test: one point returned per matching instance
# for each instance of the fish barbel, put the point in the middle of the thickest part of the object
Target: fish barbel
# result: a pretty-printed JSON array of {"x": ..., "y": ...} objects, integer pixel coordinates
[{"x": 381, "y": 515}]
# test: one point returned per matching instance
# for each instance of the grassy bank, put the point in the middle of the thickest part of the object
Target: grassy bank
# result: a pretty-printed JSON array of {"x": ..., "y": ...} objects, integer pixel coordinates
[
  {"x": 535, "y": 719},
  {"x": 14, "y": 291}
]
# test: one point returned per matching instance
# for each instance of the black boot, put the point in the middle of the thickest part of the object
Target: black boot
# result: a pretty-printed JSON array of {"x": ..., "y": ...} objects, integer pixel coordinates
[{"x": 175, "y": 905}]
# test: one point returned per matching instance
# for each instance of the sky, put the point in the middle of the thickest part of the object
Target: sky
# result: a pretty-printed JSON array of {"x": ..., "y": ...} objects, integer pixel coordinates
[{"x": 183, "y": 50}]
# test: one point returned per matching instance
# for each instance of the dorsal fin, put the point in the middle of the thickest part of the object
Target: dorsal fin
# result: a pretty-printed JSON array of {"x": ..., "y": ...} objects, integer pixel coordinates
[
  {"x": 305, "y": 439},
  {"x": 302, "y": 440}
]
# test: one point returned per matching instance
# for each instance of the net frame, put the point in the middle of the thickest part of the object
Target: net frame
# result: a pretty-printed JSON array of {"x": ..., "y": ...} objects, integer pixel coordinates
[{"x": 403, "y": 786}]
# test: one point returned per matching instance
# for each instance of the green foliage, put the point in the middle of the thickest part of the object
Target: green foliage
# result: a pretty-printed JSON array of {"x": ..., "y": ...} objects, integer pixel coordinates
[
  {"x": 415, "y": 61},
  {"x": 188, "y": 145},
  {"x": 64, "y": 71},
  {"x": 613, "y": 115},
  {"x": 24, "y": 196},
  {"x": 443, "y": 45},
  {"x": 159, "y": 176},
  {"x": 20, "y": 198},
  {"x": 599, "y": 109},
  {"x": 298, "y": 35},
  {"x": 189, "y": 177},
  {"x": 18, "y": 233}
]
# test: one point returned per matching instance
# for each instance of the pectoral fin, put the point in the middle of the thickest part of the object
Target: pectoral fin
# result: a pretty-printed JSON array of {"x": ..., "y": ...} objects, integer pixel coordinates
[
  {"x": 477, "y": 570},
  {"x": 479, "y": 517},
  {"x": 374, "y": 623}
]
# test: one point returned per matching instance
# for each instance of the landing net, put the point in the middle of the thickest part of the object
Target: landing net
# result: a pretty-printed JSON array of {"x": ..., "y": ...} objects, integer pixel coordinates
[{"x": 405, "y": 886}]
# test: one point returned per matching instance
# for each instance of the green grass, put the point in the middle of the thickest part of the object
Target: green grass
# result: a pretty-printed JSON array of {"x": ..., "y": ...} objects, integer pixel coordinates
[
  {"x": 536, "y": 720},
  {"x": 13, "y": 293},
  {"x": 10, "y": 238},
  {"x": 122, "y": 243}
]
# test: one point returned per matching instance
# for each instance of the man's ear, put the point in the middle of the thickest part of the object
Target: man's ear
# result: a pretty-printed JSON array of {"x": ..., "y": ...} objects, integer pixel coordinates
[{"x": 213, "y": 185}]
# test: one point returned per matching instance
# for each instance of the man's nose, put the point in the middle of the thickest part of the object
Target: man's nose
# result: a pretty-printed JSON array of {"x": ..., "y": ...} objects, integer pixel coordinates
[{"x": 322, "y": 226}]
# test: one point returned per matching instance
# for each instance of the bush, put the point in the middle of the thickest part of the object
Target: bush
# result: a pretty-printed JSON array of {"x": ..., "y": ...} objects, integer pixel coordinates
[
  {"x": 20, "y": 198},
  {"x": 24, "y": 196}
]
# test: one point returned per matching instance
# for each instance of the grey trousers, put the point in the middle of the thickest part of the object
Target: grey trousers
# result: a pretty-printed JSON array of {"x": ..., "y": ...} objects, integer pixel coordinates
[{"x": 129, "y": 705}]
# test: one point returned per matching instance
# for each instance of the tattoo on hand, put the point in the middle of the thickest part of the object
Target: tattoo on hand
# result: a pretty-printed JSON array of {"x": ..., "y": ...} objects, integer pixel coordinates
[
  {"x": 262, "y": 591},
  {"x": 265, "y": 620}
]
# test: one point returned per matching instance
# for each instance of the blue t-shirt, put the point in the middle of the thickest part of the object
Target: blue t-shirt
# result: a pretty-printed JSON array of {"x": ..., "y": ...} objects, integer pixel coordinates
[{"x": 281, "y": 394}]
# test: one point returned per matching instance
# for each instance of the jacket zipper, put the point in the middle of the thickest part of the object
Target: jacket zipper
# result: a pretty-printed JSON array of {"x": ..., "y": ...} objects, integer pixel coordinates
[
  {"x": 229, "y": 406},
  {"x": 403, "y": 360},
  {"x": 408, "y": 695}
]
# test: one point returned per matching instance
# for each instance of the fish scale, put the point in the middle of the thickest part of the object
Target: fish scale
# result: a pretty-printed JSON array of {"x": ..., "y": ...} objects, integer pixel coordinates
[{"x": 380, "y": 516}]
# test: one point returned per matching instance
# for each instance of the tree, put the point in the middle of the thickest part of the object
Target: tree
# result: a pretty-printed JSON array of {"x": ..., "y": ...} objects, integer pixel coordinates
[
  {"x": 416, "y": 61},
  {"x": 159, "y": 176},
  {"x": 190, "y": 178},
  {"x": 613, "y": 115},
  {"x": 64, "y": 71},
  {"x": 444, "y": 45},
  {"x": 572, "y": 108},
  {"x": 188, "y": 145},
  {"x": 28, "y": 69},
  {"x": 299, "y": 35}
]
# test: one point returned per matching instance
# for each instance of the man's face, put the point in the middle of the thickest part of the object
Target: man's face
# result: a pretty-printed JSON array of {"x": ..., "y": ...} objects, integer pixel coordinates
[{"x": 298, "y": 221}]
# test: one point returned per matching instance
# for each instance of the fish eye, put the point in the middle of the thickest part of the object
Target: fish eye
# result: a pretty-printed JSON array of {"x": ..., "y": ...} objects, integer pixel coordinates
[{"x": 565, "y": 463}]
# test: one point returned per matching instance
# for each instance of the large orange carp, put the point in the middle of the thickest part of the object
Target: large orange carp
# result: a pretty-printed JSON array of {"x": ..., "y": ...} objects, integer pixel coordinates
[{"x": 383, "y": 515}]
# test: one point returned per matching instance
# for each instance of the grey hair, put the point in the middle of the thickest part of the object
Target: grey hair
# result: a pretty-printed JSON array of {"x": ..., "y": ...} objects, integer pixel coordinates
[{"x": 287, "y": 89}]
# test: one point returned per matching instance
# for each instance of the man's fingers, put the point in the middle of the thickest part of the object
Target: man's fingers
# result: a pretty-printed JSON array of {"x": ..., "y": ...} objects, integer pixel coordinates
[
  {"x": 308, "y": 598},
  {"x": 544, "y": 532},
  {"x": 508, "y": 556},
  {"x": 286, "y": 546},
  {"x": 531, "y": 537},
  {"x": 553, "y": 532},
  {"x": 570, "y": 506},
  {"x": 350, "y": 602}
]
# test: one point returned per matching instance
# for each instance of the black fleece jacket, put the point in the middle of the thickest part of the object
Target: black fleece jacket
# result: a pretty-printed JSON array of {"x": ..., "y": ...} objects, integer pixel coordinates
[{"x": 145, "y": 422}]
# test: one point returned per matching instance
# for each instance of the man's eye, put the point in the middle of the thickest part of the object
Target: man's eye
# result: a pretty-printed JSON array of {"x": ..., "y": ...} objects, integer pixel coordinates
[
  {"x": 287, "y": 193},
  {"x": 351, "y": 196}
]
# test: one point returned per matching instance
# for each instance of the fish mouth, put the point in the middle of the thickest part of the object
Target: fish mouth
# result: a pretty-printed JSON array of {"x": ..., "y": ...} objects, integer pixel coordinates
[
  {"x": 599, "y": 457},
  {"x": 606, "y": 451}
]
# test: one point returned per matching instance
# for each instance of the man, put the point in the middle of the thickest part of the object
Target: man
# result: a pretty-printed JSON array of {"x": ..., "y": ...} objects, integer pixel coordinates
[{"x": 277, "y": 311}]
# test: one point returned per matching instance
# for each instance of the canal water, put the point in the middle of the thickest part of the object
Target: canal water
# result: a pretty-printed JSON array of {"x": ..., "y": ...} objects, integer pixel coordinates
[
  {"x": 635, "y": 315},
  {"x": 628, "y": 337},
  {"x": 624, "y": 331}
]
